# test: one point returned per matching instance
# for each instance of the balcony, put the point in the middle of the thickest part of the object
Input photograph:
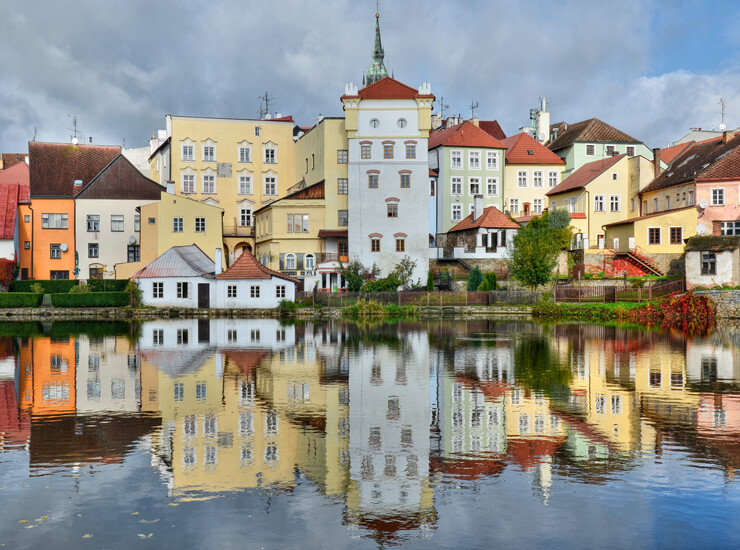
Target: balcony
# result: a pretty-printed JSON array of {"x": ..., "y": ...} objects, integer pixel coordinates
[
  {"x": 331, "y": 257},
  {"x": 235, "y": 230}
]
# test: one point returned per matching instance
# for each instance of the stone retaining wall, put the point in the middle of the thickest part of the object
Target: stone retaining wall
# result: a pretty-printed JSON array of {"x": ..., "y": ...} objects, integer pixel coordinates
[{"x": 727, "y": 302}]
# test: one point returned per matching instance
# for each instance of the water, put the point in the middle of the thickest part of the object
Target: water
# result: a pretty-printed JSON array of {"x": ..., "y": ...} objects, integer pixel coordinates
[{"x": 253, "y": 434}]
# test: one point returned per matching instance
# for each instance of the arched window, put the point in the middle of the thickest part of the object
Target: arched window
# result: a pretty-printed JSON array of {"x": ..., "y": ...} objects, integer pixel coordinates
[
  {"x": 310, "y": 263},
  {"x": 290, "y": 261}
]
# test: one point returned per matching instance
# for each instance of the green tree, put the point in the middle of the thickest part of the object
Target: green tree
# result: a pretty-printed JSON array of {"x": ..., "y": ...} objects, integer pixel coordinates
[
  {"x": 536, "y": 247},
  {"x": 430, "y": 282},
  {"x": 475, "y": 278},
  {"x": 354, "y": 275},
  {"x": 403, "y": 271},
  {"x": 489, "y": 283}
]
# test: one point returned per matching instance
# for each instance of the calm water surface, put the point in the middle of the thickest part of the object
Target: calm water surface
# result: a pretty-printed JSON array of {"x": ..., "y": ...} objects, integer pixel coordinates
[{"x": 256, "y": 434}]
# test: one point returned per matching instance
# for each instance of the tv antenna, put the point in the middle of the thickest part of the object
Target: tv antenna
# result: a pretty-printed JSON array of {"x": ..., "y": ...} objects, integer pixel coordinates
[
  {"x": 442, "y": 107},
  {"x": 722, "y": 125},
  {"x": 473, "y": 106},
  {"x": 264, "y": 104},
  {"x": 35, "y": 132},
  {"x": 76, "y": 134}
]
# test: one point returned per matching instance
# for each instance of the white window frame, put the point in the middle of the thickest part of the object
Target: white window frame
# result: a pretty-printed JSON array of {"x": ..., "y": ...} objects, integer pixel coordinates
[
  {"x": 522, "y": 175},
  {"x": 537, "y": 206},
  {"x": 231, "y": 291},
  {"x": 189, "y": 157},
  {"x": 492, "y": 182},
  {"x": 209, "y": 148},
  {"x": 188, "y": 184},
  {"x": 593, "y": 149},
  {"x": 473, "y": 160},
  {"x": 279, "y": 291},
  {"x": 272, "y": 181},
  {"x": 254, "y": 292},
  {"x": 270, "y": 155},
  {"x": 492, "y": 160},
  {"x": 553, "y": 176},
  {"x": 719, "y": 190},
  {"x": 456, "y": 209},
  {"x": 599, "y": 203},
  {"x": 117, "y": 223},
  {"x": 178, "y": 224},
  {"x": 615, "y": 200},
  {"x": 474, "y": 180},
  {"x": 538, "y": 175},
  {"x": 454, "y": 182},
  {"x": 309, "y": 262},
  {"x": 245, "y": 216},
  {"x": 200, "y": 220},
  {"x": 456, "y": 162},
  {"x": 245, "y": 154},
  {"x": 514, "y": 205},
  {"x": 245, "y": 184},
  {"x": 93, "y": 223},
  {"x": 212, "y": 180},
  {"x": 157, "y": 289}
]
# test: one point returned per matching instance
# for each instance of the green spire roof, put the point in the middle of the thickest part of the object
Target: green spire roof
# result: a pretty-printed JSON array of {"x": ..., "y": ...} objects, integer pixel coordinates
[{"x": 377, "y": 70}]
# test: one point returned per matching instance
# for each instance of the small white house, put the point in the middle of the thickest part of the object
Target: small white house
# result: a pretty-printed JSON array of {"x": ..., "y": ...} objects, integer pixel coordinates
[
  {"x": 713, "y": 261},
  {"x": 249, "y": 284}
]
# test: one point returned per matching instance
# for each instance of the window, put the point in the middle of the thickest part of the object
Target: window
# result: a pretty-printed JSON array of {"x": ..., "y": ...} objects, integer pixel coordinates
[
  {"x": 116, "y": 223},
  {"x": 374, "y": 245},
  {"x": 157, "y": 290},
  {"x": 158, "y": 337},
  {"x": 538, "y": 178},
  {"x": 708, "y": 263},
  {"x": 611, "y": 150},
  {"x": 245, "y": 154},
  {"x": 188, "y": 152},
  {"x": 405, "y": 181},
  {"x": 245, "y": 185},
  {"x": 653, "y": 235},
  {"x": 730, "y": 228},
  {"x": 257, "y": 131},
  {"x": 231, "y": 291},
  {"x": 676, "y": 235},
  {"x": 492, "y": 187},
  {"x": 492, "y": 160},
  {"x": 290, "y": 261},
  {"x": 372, "y": 181},
  {"x": 245, "y": 216},
  {"x": 152, "y": 221},
  {"x": 615, "y": 203},
  {"x": 55, "y": 251},
  {"x": 590, "y": 149},
  {"x": 374, "y": 123},
  {"x": 254, "y": 292},
  {"x": 474, "y": 160},
  {"x": 387, "y": 151},
  {"x": 209, "y": 184},
  {"x": 177, "y": 225},
  {"x": 27, "y": 245},
  {"x": 432, "y": 185},
  {"x": 521, "y": 178},
  {"x": 188, "y": 184},
  {"x": 343, "y": 218},
  {"x": 456, "y": 212},
  {"x": 297, "y": 223},
  {"x": 691, "y": 198},
  {"x": 655, "y": 205},
  {"x": 718, "y": 197},
  {"x": 410, "y": 151},
  {"x": 343, "y": 249},
  {"x": 270, "y": 155},
  {"x": 342, "y": 156},
  {"x": 270, "y": 185},
  {"x": 342, "y": 186},
  {"x": 456, "y": 160},
  {"x": 400, "y": 245},
  {"x": 667, "y": 202},
  {"x": 474, "y": 186},
  {"x": 200, "y": 225},
  {"x": 280, "y": 291},
  {"x": 59, "y": 275},
  {"x": 537, "y": 207},
  {"x": 365, "y": 151},
  {"x": 54, "y": 221},
  {"x": 630, "y": 151},
  {"x": 209, "y": 153},
  {"x": 514, "y": 206},
  {"x": 137, "y": 223},
  {"x": 133, "y": 252},
  {"x": 456, "y": 185},
  {"x": 93, "y": 250},
  {"x": 392, "y": 209},
  {"x": 309, "y": 261},
  {"x": 183, "y": 336},
  {"x": 179, "y": 391},
  {"x": 552, "y": 178},
  {"x": 93, "y": 222},
  {"x": 182, "y": 290},
  {"x": 401, "y": 123}
]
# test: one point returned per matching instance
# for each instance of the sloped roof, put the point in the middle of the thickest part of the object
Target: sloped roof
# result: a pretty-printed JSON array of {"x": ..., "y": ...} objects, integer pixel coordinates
[
  {"x": 713, "y": 243},
  {"x": 388, "y": 88},
  {"x": 179, "y": 261},
  {"x": 648, "y": 216},
  {"x": 56, "y": 166},
  {"x": 524, "y": 149},
  {"x": 709, "y": 159},
  {"x": 466, "y": 134},
  {"x": 18, "y": 173},
  {"x": 314, "y": 191},
  {"x": 492, "y": 218},
  {"x": 121, "y": 180},
  {"x": 11, "y": 159},
  {"x": 670, "y": 153},
  {"x": 585, "y": 175},
  {"x": 492, "y": 127},
  {"x": 593, "y": 130},
  {"x": 246, "y": 266},
  {"x": 9, "y": 198}
]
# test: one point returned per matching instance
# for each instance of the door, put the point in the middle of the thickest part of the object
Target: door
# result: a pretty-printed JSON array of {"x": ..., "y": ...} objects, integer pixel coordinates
[{"x": 204, "y": 295}]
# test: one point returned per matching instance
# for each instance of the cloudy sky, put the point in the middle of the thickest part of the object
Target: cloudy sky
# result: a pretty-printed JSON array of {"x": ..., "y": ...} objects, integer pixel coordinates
[{"x": 652, "y": 68}]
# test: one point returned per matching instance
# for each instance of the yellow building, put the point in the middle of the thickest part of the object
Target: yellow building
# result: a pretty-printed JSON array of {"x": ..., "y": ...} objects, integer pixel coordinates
[
  {"x": 660, "y": 233},
  {"x": 175, "y": 221},
  {"x": 237, "y": 164}
]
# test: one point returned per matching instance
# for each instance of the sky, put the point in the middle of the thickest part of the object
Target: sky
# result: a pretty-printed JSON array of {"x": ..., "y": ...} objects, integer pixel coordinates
[{"x": 651, "y": 68}]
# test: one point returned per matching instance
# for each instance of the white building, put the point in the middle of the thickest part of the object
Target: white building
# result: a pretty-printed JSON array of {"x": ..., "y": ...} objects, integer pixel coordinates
[
  {"x": 248, "y": 283},
  {"x": 388, "y": 125}
]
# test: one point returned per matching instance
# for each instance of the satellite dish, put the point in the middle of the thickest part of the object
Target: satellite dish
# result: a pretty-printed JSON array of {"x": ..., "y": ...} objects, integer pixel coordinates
[
  {"x": 722, "y": 126},
  {"x": 703, "y": 203},
  {"x": 541, "y": 136},
  {"x": 132, "y": 239},
  {"x": 700, "y": 229},
  {"x": 63, "y": 247}
]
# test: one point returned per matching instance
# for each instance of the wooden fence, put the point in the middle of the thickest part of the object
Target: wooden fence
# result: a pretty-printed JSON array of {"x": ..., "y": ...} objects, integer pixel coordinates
[
  {"x": 422, "y": 298},
  {"x": 616, "y": 293}
]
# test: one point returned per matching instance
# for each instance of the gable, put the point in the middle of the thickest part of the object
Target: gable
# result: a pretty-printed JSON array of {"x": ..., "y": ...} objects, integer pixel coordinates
[{"x": 121, "y": 180}]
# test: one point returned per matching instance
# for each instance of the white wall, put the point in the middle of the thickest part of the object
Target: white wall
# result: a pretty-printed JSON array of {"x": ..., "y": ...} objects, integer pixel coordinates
[
  {"x": 243, "y": 299},
  {"x": 726, "y": 270},
  {"x": 170, "y": 298},
  {"x": 7, "y": 248}
]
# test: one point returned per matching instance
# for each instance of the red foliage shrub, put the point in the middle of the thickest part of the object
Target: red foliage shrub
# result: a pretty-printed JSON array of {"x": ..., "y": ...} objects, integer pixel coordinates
[
  {"x": 6, "y": 272},
  {"x": 689, "y": 314}
]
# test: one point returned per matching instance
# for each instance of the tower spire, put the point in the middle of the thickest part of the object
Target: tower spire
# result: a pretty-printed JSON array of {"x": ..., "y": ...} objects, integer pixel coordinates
[{"x": 377, "y": 70}]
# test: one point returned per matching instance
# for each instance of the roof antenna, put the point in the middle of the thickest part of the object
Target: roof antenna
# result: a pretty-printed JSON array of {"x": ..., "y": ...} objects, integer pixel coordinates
[
  {"x": 265, "y": 99},
  {"x": 722, "y": 126},
  {"x": 76, "y": 134},
  {"x": 442, "y": 107},
  {"x": 473, "y": 106}
]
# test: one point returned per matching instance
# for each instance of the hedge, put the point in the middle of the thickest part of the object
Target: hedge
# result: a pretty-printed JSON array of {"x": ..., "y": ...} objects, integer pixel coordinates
[
  {"x": 91, "y": 299},
  {"x": 62, "y": 285},
  {"x": 107, "y": 285},
  {"x": 20, "y": 299}
]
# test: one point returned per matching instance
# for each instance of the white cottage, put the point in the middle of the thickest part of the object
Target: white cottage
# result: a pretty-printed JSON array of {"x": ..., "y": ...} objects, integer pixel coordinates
[
  {"x": 713, "y": 261},
  {"x": 249, "y": 284}
]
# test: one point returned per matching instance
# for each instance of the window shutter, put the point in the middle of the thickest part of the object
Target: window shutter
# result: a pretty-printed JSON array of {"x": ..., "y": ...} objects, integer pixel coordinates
[
  {"x": 299, "y": 261},
  {"x": 282, "y": 261}
]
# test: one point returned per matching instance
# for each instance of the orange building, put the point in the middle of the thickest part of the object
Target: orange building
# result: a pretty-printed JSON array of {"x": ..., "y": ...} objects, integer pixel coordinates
[
  {"x": 46, "y": 377},
  {"x": 58, "y": 172}
]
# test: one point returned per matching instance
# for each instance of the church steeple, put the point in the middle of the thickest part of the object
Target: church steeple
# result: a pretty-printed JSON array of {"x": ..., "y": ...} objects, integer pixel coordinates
[{"x": 377, "y": 70}]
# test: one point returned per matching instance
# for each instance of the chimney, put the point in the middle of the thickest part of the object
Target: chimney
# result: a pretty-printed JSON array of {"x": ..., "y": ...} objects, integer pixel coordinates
[
  {"x": 171, "y": 187},
  {"x": 477, "y": 207},
  {"x": 475, "y": 120},
  {"x": 219, "y": 260},
  {"x": 656, "y": 162},
  {"x": 727, "y": 135}
]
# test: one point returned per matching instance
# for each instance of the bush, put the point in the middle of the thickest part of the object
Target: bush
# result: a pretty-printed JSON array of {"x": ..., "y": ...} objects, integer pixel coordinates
[
  {"x": 107, "y": 285},
  {"x": 430, "y": 282},
  {"x": 79, "y": 289},
  {"x": 364, "y": 308},
  {"x": 91, "y": 299},
  {"x": 135, "y": 295},
  {"x": 389, "y": 284},
  {"x": 37, "y": 288},
  {"x": 489, "y": 283},
  {"x": 286, "y": 307},
  {"x": 49, "y": 287},
  {"x": 475, "y": 278},
  {"x": 20, "y": 299}
]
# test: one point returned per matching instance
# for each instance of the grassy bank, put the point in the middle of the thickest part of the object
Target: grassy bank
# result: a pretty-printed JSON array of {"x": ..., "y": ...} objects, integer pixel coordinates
[{"x": 619, "y": 311}]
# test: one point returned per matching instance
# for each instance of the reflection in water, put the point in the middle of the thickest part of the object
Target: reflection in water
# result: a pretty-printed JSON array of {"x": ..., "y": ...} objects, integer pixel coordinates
[{"x": 382, "y": 420}]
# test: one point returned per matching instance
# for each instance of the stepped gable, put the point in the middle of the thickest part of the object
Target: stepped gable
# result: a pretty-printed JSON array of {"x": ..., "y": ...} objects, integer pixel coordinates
[
  {"x": 466, "y": 134},
  {"x": 592, "y": 129},
  {"x": 492, "y": 218},
  {"x": 584, "y": 175},
  {"x": 388, "y": 88},
  {"x": 714, "y": 159},
  {"x": 54, "y": 167},
  {"x": 246, "y": 266},
  {"x": 524, "y": 149}
]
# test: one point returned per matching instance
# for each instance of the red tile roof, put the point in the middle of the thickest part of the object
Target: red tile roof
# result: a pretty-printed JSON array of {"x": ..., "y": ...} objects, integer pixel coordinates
[
  {"x": 492, "y": 127},
  {"x": 331, "y": 233},
  {"x": 592, "y": 129},
  {"x": 18, "y": 173},
  {"x": 670, "y": 153},
  {"x": 491, "y": 218},
  {"x": 11, "y": 159},
  {"x": 56, "y": 166},
  {"x": 388, "y": 88},
  {"x": 9, "y": 195},
  {"x": 524, "y": 149},
  {"x": 584, "y": 175},
  {"x": 466, "y": 134},
  {"x": 646, "y": 216},
  {"x": 433, "y": 173},
  {"x": 246, "y": 266}
]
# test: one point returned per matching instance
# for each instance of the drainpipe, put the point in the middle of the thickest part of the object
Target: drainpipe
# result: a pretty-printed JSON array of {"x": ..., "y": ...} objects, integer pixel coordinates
[
  {"x": 588, "y": 214},
  {"x": 32, "y": 241}
]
